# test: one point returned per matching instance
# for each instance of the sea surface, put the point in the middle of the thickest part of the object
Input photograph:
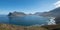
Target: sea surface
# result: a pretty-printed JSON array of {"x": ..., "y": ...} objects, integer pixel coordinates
[{"x": 24, "y": 20}]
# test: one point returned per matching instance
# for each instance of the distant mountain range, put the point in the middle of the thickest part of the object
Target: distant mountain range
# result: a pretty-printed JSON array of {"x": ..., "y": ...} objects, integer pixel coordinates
[
  {"x": 38, "y": 13},
  {"x": 55, "y": 12},
  {"x": 14, "y": 14},
  {"x": 52, "y": 13}
]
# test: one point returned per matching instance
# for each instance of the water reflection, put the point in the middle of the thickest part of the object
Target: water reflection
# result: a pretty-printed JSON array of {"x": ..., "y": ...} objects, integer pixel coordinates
[
  {"x": 10, "y": 19},
  {"x": 28, "y": 20}
]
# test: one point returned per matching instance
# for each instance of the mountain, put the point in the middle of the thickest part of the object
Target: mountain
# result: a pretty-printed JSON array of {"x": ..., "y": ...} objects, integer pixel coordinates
[
  {"x": 42, "y": 13},
  {"x": 55, "y": 12},
  {"x": 14, "y": 14},
  {"x": 52, "y": 13},
  {"x": 38, "y": 13}
]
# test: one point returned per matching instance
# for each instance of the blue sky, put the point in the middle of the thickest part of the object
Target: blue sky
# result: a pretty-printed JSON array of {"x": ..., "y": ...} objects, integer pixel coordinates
[{"x": 27, "y": 6}]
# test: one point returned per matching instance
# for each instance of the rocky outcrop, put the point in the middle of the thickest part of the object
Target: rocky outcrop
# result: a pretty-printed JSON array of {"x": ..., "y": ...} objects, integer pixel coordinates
[
  {"x": 57, "y": 19},
  {"x": 14, "y": 14}
]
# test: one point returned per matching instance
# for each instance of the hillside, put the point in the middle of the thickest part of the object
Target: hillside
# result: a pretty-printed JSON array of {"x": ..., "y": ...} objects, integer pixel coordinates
[
  {"x": 16, "y": 27},
  {"x": 14, "y": 14},
  {"x": 53, "y": 13}
]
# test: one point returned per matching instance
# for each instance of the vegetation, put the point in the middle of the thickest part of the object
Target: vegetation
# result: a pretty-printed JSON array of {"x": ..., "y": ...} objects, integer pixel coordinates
[{"x": 15, "y": 27}]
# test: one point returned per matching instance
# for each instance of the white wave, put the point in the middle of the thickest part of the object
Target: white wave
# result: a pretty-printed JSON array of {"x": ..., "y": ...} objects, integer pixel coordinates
[{"x": 52, "y": 21}]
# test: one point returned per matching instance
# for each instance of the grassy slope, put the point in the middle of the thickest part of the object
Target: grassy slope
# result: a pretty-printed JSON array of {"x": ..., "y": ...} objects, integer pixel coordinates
[{"x": 15, "y": 27}]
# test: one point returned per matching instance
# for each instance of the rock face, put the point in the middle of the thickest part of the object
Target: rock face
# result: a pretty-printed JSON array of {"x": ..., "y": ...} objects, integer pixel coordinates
[
  {"x": 14, "y": 14},
  {"x": 57, "y": 19}
]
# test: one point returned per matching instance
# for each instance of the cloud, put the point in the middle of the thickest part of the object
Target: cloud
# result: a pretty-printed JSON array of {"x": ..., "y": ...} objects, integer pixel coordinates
[{"x": 57, "y": 4}]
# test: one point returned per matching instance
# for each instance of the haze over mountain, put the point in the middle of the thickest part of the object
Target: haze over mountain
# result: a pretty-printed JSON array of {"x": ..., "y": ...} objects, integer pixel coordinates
[
  {"x": 55, "y": 12},
  {"x": 14, "y": 14}
]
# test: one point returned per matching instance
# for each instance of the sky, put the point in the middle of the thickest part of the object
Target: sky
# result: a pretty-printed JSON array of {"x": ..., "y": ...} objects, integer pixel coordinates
[{"x": 28, "y": 6}]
